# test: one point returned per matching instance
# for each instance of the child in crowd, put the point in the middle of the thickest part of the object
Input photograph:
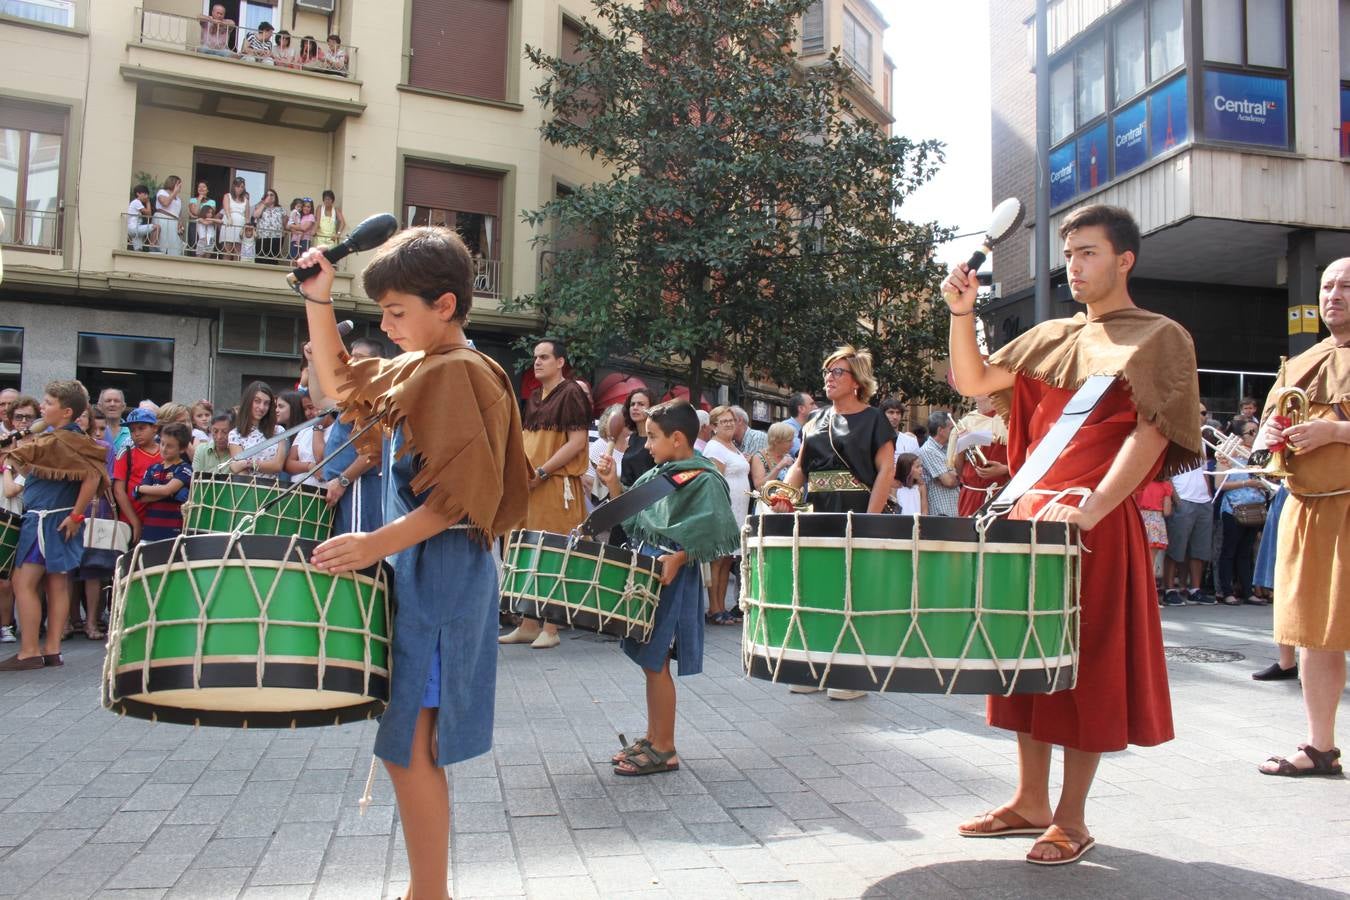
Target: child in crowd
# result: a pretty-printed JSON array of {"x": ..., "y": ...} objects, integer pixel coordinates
[
  {"x": 164, "y": 486},
  {"x": 64, "y": 472},
  {"x": 202, "y": 412},
  {"x": 130, "y": 467},
  {"x": 909, "y": 474},
  {"x": 207, "y": 227},
  {"x": 248, "y": 250},
  {"x": 1155, "y": 506},
  {"x": 694, "y": 525}
]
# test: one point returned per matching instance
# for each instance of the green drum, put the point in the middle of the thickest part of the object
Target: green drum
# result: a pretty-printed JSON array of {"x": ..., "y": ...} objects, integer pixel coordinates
[
  {"x": 581, "y": 584},
  {"x": 9, "y": 540},
  {"x": 241, "y": 631},
  {"x": 912, "y": 604},
  {"x": 218, "y": 504}
]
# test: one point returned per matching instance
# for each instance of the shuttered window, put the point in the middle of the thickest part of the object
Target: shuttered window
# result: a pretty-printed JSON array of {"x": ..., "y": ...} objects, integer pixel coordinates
[
  {"x": 463, "y": 199},
  {"x": 460, "y": 47},
  {"x": 571, "y": 52},
  {"x": 813, "y": 28}
]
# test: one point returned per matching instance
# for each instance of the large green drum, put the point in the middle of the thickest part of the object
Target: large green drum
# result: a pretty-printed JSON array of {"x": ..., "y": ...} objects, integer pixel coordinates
[
  {"x": 241, "y": 631},
  {"x": 579, "y": 583},
  {"x": 9, "y": 540},
  {"x": 218, "y": 504},
  {"x": 912, "y": 604}
]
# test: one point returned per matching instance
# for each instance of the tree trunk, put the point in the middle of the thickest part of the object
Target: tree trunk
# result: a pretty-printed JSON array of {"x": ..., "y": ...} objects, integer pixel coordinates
[{"x": 696, "y": 378}]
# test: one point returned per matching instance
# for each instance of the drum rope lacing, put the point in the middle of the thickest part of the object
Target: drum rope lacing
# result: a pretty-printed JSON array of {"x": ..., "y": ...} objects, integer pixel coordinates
[
  {"x": 209, "y": 495},
  {"x": 1051, "y": 663}
]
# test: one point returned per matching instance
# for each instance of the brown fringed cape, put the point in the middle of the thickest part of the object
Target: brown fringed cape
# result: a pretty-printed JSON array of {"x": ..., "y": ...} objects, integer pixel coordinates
[
  {"x": 459, "y": 417},
  {"x": 1323, "y": 370},
  {"x": 1153, "y": 355},
  {"x": 63, "y": 455},
  {"x": 564, "y": 409}
]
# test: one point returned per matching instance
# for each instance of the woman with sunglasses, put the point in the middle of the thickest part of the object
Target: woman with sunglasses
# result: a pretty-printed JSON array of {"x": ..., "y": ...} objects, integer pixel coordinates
[{"x": 1237, "y": 558}]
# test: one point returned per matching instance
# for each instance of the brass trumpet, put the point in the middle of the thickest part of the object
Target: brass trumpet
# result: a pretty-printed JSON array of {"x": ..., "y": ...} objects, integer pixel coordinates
[
  {"x": 974, "y": 455},
  {"x": 1229, "y": 448},
  {"x": 1292, "y": 403},
  {"x": 774, "y": 489}
]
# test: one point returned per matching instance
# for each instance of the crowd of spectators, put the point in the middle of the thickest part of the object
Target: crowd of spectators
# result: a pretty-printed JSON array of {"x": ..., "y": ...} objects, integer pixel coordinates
[{"x": 268, "y": 47}]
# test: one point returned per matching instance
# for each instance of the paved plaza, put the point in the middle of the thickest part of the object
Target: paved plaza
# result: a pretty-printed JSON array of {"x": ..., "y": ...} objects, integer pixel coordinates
[{"x": 780, "y": 795}]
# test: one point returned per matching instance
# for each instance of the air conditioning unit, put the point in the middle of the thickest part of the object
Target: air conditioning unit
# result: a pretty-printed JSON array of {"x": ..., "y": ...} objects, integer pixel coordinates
[{"x": 323, "y": 6}]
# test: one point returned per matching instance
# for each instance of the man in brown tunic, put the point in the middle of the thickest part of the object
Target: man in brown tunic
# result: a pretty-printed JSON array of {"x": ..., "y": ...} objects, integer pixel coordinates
[
  {"x": 557, "y": 418},
  {"x": 1312, "y": 565}
]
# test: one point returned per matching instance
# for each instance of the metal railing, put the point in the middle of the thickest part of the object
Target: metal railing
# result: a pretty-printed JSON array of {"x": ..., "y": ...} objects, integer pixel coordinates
[
  {"x": 211, "y": 239},
  {"x": 36, "y": 229},
  {"x": 245, "y": 45},
  {"x": 487, "y": 279}
]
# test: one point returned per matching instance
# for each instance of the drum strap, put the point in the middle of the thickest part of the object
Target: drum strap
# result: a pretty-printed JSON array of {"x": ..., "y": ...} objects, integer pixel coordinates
[
  {"x": 1075, "y": 414},
  {"x": 627, "y": 505}
]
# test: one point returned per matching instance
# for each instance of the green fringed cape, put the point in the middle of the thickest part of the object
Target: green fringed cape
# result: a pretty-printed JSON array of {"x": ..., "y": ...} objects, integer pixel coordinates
[{"x": 697, "y": 516}]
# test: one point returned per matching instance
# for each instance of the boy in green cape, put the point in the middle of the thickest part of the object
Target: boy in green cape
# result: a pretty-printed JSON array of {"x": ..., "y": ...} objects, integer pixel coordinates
[{"x": 691, "y": 526}]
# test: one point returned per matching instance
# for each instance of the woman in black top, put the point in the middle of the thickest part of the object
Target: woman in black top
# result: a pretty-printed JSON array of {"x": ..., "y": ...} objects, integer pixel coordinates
[
  {"x": 847, "y": 458},
  {"x": 636, "y": 459}
]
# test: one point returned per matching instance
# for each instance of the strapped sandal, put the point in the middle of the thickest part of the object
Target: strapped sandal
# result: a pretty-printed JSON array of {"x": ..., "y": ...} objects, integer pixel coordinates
[
  {"x": 1324, "y": 763},
  {"x": 649, "y": 761},
  {"x": 1010, "y": 823},
  {"x": 629, "y": 750},
  {"x": 1071, "y": 848}
]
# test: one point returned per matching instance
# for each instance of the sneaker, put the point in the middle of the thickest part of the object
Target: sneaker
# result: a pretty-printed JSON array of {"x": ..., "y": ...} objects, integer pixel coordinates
[
  {"x": 7, "y": 634},
  {"x": 1173, "y": 598},
  {"x": 1200, "y": 598}
]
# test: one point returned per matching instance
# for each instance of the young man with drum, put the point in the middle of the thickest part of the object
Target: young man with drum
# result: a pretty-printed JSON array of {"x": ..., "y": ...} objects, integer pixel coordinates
[
  {"x": 458, "y": 480},
  {"x": 1144, "y": 426}
]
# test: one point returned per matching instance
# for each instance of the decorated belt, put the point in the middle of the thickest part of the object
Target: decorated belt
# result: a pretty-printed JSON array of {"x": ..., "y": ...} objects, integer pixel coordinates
[{"x": 834, "y": 480}]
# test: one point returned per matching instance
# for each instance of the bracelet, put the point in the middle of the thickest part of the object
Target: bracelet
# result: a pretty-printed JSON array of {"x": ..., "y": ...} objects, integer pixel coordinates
[
  {"x": 309, "y": 299},
  {"x": 77, "y": 518},
  {"x": 954, "y": 315}
]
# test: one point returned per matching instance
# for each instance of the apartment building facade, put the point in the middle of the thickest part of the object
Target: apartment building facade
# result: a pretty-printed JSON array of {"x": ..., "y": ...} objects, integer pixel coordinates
[
  {"x": 423, "y": 108},
  {"x": 1223, "y": 126}
]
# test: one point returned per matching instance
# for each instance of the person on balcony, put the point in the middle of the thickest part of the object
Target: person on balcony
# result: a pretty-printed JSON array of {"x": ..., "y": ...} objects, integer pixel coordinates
[
  {"x": 285, "y": 53},
  {"x": 234, "y": 209},
  {"x": 216, "y": 31},
  {"x": 168, "y": 207},
  {"x": 207, "y": 228},
  {"x": 331, "y": 222},
  {"x": 271, "y": 220},
  {"x": 310, "y": 57},
  {"x": 194, "y": 213},
  {"x": 334, "y": 57},
  {"x": 301, "y": 226},
  {"x": 258, "y": 45},
  {"x": 140, "y": 228}
]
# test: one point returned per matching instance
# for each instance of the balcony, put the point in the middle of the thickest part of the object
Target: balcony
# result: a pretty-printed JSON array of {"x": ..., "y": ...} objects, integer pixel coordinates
[
  {"x": 178, "y": 64},
  {"x": 487, "y": 278},
  {"x": 32, "y": 229}
]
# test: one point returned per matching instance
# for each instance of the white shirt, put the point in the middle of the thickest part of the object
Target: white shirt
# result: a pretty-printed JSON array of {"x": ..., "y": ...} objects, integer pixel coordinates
[
  {"x": 907, "y": 498},
  {"x": 256, "y": 437},
  {"x": 737, "y": 474},
  {"x": 1192, "y": 486}
]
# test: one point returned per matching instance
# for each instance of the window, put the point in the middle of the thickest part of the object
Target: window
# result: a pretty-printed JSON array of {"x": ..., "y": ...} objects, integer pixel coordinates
[
  {"x": 1091, "y": 62},
  {"x": 219, "y": 168},
  {"x": 1245, "y": 32},
  {"x": 1061, "y": 101},
  {"x": 142, "y": 367},
  {"x": 1166, "y": 49},
  {"x": 11, "y": 357},
  {"x": 32, "y": 144},
  {"x": 467, "y": 200},
  {"x": 267, "y": 335},
  {"x": 47, "y": 12},
  {"x": 460, "y": 47},
  {"x": 1129, "y": 55},
  {"x": 587, "y": 98},
  {"x": 857, "y": 47},
  {"x": 813, "y": 28}
]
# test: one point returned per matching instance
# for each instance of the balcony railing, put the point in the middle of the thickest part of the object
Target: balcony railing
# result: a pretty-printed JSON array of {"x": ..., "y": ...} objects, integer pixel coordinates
[
  {"x": 243, "y": 45},
  {"x": 209, "y": 241},
  {"x": 36, "y": 229},
  {"x": 487, "y": 278}
]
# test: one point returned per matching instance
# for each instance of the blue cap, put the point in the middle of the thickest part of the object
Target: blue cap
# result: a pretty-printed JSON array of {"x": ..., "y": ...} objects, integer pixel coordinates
[{"x": 141, "y": 417}]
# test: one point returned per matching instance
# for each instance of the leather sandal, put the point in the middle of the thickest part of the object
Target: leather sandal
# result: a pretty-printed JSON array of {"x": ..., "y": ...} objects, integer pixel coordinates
[
  {"x": 1071, "y": 848},
  {"x": 1324, "y": 763},
  {"x": 1010, "y": 822},
  {"x": 629, "y": 750},
  {"x": 648, "y": 761}
]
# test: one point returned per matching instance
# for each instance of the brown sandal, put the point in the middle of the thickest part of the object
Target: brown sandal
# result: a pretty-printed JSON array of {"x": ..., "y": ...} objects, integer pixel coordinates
[
  {"x": 1012, "y": 823},
  {"x": 1072, "y": 848},
  {"x": 1324, "y": 763}
]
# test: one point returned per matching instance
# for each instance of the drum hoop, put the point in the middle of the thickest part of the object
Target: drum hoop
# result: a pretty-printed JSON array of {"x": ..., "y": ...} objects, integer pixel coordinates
[
  {"x": 368, "y": 593},
  {"x": 755, "y": 637},
  {"x": 309, "y": 500}
]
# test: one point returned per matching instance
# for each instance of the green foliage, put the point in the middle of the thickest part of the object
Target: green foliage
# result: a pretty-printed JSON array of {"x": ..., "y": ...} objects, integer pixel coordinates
[
  {"x": 750, "y": 216},
  {"x": 151, "y": 181}
]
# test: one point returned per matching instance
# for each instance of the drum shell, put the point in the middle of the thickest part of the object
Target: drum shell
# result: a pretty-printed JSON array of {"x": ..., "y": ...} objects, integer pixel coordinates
[
  {"x": 323, "y": 639},
  {"x": 218, "y": 503},
  {"x": 10, "y": 524},
  {"x": 580, "y": 584},
  {"x": 795, "y": 609}
]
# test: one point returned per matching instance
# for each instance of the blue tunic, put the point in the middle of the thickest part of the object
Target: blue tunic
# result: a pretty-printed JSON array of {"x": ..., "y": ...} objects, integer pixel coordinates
[
  {"x": 678, "y": 628},
  {"x": 56, "y": 499},
  {"x": 364, "y": 498},
  {"x": 1265, "y": 556},
  {"x": 447, "y": 598}
]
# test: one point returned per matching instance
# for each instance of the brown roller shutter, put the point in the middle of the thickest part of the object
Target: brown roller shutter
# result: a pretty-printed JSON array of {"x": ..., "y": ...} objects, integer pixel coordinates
[
  {"x": 443, "y": 187},
  {"x": 460, "y": 46},
  {"x": 32, "y": 117}
]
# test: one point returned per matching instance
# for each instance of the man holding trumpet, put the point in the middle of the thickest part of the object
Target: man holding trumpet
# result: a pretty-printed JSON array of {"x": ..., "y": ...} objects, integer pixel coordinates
[{"x": 1312, "y": 565}]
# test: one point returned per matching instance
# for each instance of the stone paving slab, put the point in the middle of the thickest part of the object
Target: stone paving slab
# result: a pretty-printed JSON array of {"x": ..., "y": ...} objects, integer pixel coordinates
[{"x": 779, "y": 795}]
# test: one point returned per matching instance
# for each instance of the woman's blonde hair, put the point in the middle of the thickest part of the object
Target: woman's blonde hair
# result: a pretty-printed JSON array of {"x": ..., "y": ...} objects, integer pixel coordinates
[
  {"x": 780, "y": 433},
  {"x": 860, "y": 364},
  {"x": 718, "y": 412},
  {"x": 174, "y": 412}
]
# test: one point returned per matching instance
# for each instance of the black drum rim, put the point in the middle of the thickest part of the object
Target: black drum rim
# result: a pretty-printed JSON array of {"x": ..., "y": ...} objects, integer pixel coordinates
[
  {"x": 220, "y": 718},
  {"x": 245, "y": 548},
  {"x": 916, "y": 680}
]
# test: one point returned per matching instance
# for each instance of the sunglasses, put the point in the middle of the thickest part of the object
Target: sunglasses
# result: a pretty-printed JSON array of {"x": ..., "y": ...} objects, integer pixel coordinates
[{"x": 836, "y": 371}]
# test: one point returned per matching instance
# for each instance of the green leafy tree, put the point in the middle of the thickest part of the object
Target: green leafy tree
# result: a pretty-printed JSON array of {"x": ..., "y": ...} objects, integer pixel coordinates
[{"x": 750, "y": 216}]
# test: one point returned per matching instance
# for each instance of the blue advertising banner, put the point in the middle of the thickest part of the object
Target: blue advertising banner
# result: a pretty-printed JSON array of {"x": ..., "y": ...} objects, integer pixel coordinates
[
  {"x": 1246, "y": 109},
  {"x": 1167, "y": 117},
  {"x": 1345, "y": 122},
  {"x": 1092, "y": 169},
  {"x": 1063, "y": 184},
  {"x": 1129, "y": 135}
]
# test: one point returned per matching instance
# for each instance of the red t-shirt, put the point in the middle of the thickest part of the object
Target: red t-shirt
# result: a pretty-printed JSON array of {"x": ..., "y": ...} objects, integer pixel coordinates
[
  {"x": 130, "y": 468},
  {"x": 1152, "y": 494}
]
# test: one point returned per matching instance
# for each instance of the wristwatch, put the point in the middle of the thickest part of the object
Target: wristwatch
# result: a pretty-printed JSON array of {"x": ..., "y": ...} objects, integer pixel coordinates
[
  {"x": 542, "y": 473},
  {"x": 344, "y": 481}
]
